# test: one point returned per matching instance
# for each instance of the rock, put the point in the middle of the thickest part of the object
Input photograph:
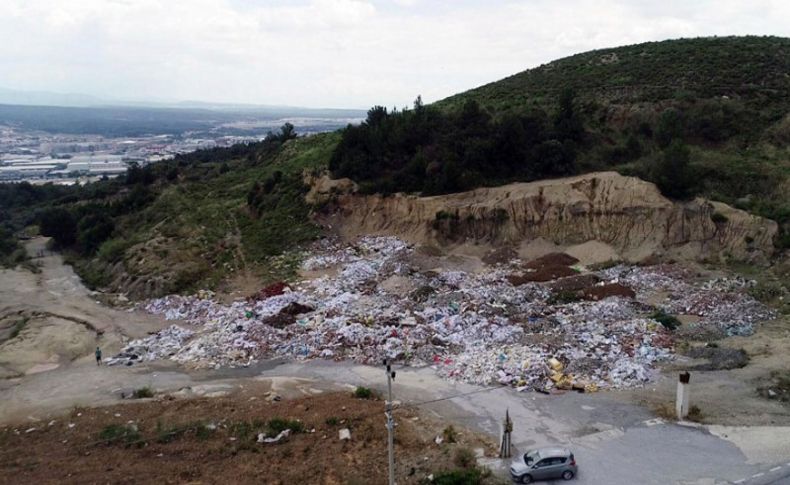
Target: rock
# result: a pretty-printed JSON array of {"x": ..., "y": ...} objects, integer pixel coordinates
[{"x": 345, "y": 434}]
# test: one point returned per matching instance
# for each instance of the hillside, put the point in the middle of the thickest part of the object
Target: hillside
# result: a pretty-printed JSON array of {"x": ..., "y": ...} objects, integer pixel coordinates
[
  {"x": 708, "y": 116},
  {"x": 202, "y": 220},
  {"x": 697, "y": 117}
]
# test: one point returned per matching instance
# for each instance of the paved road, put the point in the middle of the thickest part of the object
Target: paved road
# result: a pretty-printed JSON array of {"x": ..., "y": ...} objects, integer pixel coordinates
[{"x": 614, "y": 442}]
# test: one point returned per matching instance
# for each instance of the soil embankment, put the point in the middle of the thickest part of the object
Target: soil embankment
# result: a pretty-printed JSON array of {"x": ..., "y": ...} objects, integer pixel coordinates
[{"x": 625, "y": 216}]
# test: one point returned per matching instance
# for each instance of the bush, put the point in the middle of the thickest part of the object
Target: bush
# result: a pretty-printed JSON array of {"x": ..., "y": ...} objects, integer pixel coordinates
[
  {"x": 363, "y": 393},
  {"x": 277, "y": 425},
  {"x": 464, "y": 458},
  {"x": 449, "y": 434},
  {"x": 672, "y": 174},
  {"x": 18, "y": 326},
  {"x": 472, "y": 476},
  {"x": 113, "y": 250},
  {"x": 59, "y": 224},
  {"x": 718, "y": 218},
  {"x": 143, "y": 392},
  {"x": 668, "y": 321},
  {"x": 116, "y": 433}
]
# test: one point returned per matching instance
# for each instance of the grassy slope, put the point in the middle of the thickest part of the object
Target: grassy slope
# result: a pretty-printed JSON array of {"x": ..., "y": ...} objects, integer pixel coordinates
[
  {"x": 198, "y": 232},
  {"x": 752, "y": 67},
  {"x": 623, "y": 88}
]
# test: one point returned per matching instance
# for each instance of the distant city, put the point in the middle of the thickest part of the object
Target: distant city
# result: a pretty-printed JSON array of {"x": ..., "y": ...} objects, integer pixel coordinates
[{"x": 65, "y": 152}]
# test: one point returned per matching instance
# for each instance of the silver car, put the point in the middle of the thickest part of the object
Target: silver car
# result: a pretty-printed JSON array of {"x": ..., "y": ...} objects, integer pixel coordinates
[{"x": 543, "y": 464}]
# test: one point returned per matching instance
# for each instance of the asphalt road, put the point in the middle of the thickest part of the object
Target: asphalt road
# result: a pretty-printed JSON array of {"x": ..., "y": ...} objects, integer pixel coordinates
[{"x": 614, "y": 442}]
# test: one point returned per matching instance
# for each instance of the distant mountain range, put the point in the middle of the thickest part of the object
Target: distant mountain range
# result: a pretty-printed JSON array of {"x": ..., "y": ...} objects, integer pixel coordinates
[{"x": 80, "y": 100}]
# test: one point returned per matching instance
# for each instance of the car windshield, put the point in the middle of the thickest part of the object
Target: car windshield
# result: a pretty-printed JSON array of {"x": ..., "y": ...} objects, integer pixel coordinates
[{"x": 531, "y": 457}]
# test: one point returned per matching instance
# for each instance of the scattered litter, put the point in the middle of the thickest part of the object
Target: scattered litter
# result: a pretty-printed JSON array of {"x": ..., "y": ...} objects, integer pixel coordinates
[
  {"x": 280, "y": 436},
  {"x": 499, "y": 325},
  {"x": 345, "y": 434}
]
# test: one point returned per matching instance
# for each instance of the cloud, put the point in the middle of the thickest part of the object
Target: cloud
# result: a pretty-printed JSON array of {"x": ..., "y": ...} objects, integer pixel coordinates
[{"x": 330, "y": 52}]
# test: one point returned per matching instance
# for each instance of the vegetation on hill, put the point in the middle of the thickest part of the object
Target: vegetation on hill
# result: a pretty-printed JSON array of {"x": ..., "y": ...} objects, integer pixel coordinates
[
  {"x": 697, "y": 117},
  {"x": 427, "y": 150},
  {"x": 706, "y": 116},
  {"x": 184, "y": 224}
]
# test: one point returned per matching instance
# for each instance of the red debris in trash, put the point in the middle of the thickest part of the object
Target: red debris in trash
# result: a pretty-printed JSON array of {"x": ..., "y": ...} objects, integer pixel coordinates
[
  {"x": 273, "y": 289},
  {"x": 613, "y": 289}
]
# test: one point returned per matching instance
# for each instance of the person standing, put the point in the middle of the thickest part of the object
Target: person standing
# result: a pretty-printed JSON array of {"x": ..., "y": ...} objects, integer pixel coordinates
[{"x": 98, "y": 356}]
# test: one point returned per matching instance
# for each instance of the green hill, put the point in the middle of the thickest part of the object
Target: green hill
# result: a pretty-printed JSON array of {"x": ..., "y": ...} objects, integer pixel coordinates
[
  {"x": 708, "y": 116},
  {"x": 753, "y": 70}
]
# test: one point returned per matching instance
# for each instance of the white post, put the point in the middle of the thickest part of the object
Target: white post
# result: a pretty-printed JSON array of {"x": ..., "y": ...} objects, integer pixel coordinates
[
  {"x": 682, "y": 401},
  {"x": 390, "y": 425}
]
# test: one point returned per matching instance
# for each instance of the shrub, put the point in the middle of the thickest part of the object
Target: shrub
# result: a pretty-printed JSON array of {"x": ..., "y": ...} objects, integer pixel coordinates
[
  {"x": 332, "y": 421},
  {"x": 116, "y": 433},
  {"x": 277, "y": 425},
  {"x": 450, "y": 435},
  {"x": 18, "y": 326},
  {"x": 464, "y": 458},
  {"x": 668, "y": 321},
  {"x": 203, "y": 431},
  {"x": 143, "y": 392},
  {"x": 473, "y": 476},
  {"x": 363, "y": 393},
  {"x": 718, "y": 218},
  {"x": 113, "y": 250}
]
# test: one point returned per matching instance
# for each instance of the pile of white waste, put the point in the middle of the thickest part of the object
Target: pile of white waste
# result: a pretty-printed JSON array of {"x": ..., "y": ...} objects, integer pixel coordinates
[{"x": 475, "y": 327}]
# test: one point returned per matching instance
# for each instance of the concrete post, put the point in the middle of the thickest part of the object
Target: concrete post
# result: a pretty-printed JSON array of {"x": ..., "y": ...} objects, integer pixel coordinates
[{"x": 682, "y": 401}]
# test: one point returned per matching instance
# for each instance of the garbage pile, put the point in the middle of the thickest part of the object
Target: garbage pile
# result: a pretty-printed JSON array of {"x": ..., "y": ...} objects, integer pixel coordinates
[{"x": 475, "y": 327}]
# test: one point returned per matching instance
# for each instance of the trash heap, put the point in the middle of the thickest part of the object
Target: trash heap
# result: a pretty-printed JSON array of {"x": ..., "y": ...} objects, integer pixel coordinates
[
  {"x": 722, "y": 305},
  {"x": 373, "y": 302}
]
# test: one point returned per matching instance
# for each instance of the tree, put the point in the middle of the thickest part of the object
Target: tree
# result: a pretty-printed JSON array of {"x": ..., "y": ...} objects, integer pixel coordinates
[
  {"x": 287, "y": 132},
  {"x": 670, "y": 127},
  {"x": 672, "y": 174},
  {"x": 376, "y": 115},
  {"x": 59, "y": 224},
  {"x": 567, "y": 123},
  {"x": 94, "y": 229}
]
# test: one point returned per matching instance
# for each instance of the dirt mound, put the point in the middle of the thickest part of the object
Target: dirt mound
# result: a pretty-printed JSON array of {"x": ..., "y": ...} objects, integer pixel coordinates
[
  {"x": 573, "y": 283},
  {"x": 551, "y": 259},
  {"x": 287, "y": 316},
  {"x": 273, "y": 289},
  {"x": 604, "y": 291}
]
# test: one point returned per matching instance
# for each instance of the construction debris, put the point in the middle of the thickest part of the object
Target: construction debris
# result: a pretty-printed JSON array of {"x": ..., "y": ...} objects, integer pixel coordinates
[{"x": 476, "y": 327}]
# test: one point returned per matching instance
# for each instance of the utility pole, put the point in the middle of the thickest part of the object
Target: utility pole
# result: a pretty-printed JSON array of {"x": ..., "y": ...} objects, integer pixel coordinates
[{"x": 390, "y": 423}]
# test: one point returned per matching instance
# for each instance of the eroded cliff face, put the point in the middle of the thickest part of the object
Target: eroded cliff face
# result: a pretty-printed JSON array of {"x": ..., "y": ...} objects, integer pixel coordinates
[{"x": 626, "y": 213}]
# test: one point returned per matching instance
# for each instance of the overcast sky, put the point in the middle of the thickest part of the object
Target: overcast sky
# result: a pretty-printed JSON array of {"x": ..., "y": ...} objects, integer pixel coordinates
[{"x": 331, "y": 53}]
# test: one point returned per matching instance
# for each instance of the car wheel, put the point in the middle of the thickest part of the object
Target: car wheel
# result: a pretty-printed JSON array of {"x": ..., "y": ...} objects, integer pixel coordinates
[
  {"x": 526, "y": 479},
  {"x": 567, "y": 475}
]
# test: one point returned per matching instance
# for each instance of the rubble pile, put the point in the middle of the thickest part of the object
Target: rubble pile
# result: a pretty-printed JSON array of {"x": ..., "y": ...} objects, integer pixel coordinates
[
  {"x": 723, "y": 308},
  {"x": 476, "y": 327}
]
